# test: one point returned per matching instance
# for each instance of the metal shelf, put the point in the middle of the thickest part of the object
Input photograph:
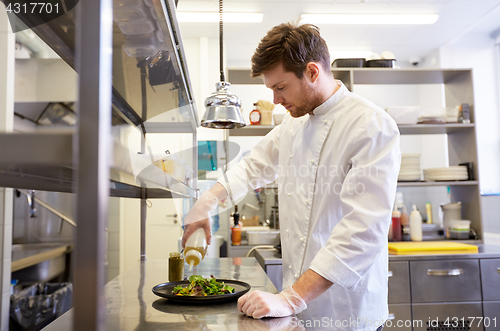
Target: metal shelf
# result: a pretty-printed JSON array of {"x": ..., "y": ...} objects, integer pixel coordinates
[
  {"x": 262, "y": 130},
  {"x": 434, "y": 128},
  {"x": 44, "y": 162},
  {"x": 443, "y": 183}
]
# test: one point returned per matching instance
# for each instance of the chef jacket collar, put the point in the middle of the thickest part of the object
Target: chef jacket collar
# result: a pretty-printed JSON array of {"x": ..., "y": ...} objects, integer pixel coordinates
[{"x": 332, "y": 101}]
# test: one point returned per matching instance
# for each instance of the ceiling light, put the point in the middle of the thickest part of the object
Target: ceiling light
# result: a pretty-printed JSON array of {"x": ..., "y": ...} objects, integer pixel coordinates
[
  {"x": 213, "y": 17},
  {"x": 223, "y": 108},
  {"x": 369, "y": 18}
]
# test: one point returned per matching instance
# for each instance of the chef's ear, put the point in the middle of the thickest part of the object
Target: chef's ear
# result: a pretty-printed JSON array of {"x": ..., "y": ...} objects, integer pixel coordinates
[{"x": 312, "y": 71}]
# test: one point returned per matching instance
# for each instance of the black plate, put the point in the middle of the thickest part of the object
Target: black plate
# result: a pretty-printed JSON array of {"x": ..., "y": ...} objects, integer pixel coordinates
[{"x": 165, "y": 291}]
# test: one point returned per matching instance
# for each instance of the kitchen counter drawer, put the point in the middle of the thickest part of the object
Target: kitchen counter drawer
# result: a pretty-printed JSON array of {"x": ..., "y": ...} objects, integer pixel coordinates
[
  {"x": 490, "y": 279},
  {"x": 445, "y": 281},
  {"x": 446, "y": 316},
  {"x": 491, "y": 316},
  {"x": 399, "y": 282},
  {"x": 399, "y": 318}
]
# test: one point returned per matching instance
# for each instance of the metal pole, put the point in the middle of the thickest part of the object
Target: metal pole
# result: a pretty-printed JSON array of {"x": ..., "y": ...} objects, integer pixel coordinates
[{"x": 94, "y": 31}]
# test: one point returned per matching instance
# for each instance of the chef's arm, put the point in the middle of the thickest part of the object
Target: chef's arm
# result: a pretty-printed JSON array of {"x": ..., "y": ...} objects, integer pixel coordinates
[{"x": 311, "y": 285}]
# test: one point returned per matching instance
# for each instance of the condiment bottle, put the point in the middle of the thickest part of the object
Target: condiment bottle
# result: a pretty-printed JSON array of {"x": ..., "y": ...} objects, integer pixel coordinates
[
  {"x": 255, "y": 115},
  {"x": 428, "y": 210},
  {"x": 196, "y": 248},
  {"x": 405, "y": 225},
  {"x": 396, "y": 225},
  {"x": 236, "y": 229},
  {"x": 415, "y": 225},
  {"x": 175, "y": 267}
]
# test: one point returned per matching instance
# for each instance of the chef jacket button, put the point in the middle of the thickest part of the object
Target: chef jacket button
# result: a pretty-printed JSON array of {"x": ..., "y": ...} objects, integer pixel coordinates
[
  {"x": 306, "y": 201},
  {"x": 291, "y": 156},
  {"x": 313, "y": 161},
  {"x": 289, "y": 194},
  {"x": 296, "y": 276},
  {"x": 325, "y": 121},
  {"x": 289, "y": 267},
  {"x": 287, "y": 230},
  {"x": 301, "y": 239}
]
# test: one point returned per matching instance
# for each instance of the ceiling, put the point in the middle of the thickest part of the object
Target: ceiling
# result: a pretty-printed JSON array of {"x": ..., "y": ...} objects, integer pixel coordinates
[{"x": 456, "y": 17}]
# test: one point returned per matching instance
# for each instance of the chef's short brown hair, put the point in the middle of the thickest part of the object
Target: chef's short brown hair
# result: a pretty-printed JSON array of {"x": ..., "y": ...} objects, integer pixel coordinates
[{"x": 294, "y": 46}]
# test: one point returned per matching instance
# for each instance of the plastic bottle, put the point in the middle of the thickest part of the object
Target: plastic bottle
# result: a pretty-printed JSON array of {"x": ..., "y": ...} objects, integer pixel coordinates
[
  {"x": 428, "y": 210},
  {"x": 196, "y": 248},
  {"x": 236, "y": 229},
  {"x": 396, "y": 225},
  {"x": 405, "y": 225},
  {"x": 255, "y": 115},
  {"x": 415, "y": 225}
]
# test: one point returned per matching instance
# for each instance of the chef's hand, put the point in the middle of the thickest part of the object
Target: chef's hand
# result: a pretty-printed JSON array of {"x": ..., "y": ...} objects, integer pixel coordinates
[
  {"x": 199, "y": 216},
  {"x": 260, "y": 304}
]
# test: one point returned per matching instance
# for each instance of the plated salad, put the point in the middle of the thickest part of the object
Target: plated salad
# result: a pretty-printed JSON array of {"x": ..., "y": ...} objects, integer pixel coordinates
[{"x": 200, "y": 286}]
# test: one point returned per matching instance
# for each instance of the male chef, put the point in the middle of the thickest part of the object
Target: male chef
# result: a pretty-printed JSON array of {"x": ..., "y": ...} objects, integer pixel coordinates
[{"x": 336, "y": 159}]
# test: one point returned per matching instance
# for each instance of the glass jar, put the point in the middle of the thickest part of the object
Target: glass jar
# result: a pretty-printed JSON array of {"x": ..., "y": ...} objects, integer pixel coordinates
[{"x": 175, "y": 267}]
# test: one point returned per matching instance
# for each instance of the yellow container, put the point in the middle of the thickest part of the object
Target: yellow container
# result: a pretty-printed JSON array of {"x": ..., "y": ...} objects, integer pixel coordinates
[{"x": 431, "y": 247}]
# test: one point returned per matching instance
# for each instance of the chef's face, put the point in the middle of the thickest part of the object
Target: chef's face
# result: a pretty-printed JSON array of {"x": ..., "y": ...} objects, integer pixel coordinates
[{"x": 297, "y": 95}]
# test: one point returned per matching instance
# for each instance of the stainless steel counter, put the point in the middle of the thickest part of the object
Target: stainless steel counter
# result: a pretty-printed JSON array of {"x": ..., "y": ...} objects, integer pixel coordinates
[{"x": 131, "y": 305}]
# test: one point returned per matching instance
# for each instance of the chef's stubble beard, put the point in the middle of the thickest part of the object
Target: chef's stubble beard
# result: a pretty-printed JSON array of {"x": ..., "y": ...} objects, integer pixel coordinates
[{"x": 310, "y": 99}]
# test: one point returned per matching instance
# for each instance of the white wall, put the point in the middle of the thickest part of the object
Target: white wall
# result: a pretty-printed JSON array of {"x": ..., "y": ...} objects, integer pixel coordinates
[
  {"x": 39, "y": 80},
  {"x": 476, "y": 50}
]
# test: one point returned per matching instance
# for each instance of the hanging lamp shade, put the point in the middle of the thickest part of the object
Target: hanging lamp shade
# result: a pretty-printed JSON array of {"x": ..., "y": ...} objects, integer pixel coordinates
[{"x": 223, "y": 108}]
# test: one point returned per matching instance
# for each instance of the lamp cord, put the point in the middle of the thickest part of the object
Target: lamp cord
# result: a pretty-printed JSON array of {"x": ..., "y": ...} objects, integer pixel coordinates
[{"x": 221, "y": 33}]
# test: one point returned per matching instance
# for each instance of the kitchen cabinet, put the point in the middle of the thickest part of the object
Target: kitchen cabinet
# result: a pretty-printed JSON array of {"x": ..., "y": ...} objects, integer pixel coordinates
[
  {"x": 418, "y": 302},
  {"x": 455, "y": 87},
  {"x": 119, "y": 105}
]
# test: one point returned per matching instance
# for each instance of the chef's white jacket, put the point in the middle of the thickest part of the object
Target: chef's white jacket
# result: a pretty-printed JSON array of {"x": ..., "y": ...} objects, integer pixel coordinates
[{"x": 337, "y": 174}]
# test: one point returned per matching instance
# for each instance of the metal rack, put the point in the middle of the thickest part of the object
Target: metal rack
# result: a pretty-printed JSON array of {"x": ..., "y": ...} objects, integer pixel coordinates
[
  {"x": 462, "y": 143},
  {"x": 88, "y": 161}
]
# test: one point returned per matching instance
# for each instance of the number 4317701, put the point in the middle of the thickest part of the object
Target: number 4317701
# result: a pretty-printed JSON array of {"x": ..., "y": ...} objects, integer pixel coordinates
[{"x": 32, "y": 8}]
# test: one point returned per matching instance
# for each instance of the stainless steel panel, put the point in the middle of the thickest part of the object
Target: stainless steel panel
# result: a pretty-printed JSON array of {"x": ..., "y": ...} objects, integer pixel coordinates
[
  {"x": 275, "y": 274},
  {"x": 490, "y": 279},
  {"x": 399, "y": 318},
  {"x": 445, "y": 281},
  {"x": 399, "y": 282},
  {"x": 446, "y": 316},
  {"x": 491, "y": 316}
]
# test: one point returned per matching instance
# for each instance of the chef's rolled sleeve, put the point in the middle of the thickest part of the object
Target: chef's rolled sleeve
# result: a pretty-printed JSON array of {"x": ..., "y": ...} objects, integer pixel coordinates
[
  {"x": 367, "y": 197},
  {"x": 344, "y": 276}
]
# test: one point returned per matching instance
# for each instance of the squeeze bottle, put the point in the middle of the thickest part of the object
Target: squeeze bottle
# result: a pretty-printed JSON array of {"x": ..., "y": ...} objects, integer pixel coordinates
[
  {"x": 415, "y": 225},
  {"x": 236, "y": 229},
  {"x": 196, "y": 248},
  {"x": 396, "y": 225}
]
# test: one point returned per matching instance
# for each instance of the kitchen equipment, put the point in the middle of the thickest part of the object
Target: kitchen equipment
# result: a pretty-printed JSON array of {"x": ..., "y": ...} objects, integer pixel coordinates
[
  {"x": 223, "y": 106},
  {"x": 410, "y": 167},
  {"x": 165, "y": 291},
  {"x": 396, "y": 225},
  {"x": 431, "y": 247},
  {"x": 459, "y": 229},
  {"x": 349, "y": 63},
  {"x": 381, "y": 63},
  {"x": 269, "y": 237},
  {"x": 446, "y": 173},
  {"x": 451, "y": 211}
]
